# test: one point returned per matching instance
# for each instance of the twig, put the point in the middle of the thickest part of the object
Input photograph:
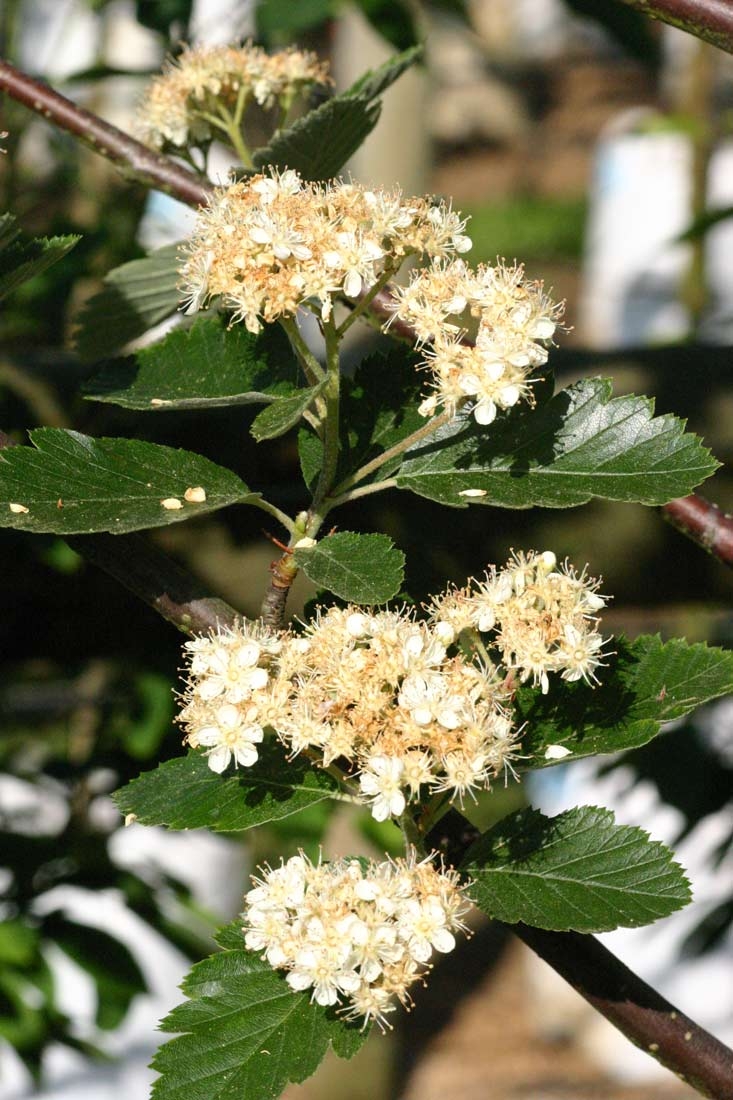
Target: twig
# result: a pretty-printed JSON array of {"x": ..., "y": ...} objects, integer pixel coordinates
[
  {"x": 282, "y": 574},
  {"x": 157, "y": 580},
  {"x": 704, "y": 523},
  {"x": 130, "y": 156},
  {"x": 711, "y": 20}
]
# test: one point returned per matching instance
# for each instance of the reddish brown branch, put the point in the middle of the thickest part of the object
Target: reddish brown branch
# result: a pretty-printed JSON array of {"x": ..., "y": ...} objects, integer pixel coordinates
[
  {"x": 130, "y": 156},
  {"x": 711, "y": 20},
  {"x": 704, "y": 523},
  {"x": 651, "y": 1023}
]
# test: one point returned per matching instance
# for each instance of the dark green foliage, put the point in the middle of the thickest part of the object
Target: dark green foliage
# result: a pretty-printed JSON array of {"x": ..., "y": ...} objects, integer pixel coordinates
[{"x": 578, "y": 872}]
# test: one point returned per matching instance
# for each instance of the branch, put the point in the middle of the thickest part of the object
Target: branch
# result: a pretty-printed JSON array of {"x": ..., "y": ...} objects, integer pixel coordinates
[
  {"x": 157, "y": 580},
  {"x": 647, "y": 1019},
  {"x": 693, "y": 516},
  {"x": 638, "y": 1011},
  {"x": 133, "y": 158},
  {"x": 711, "y": 20},
  {"x": 704, "y": 523}
]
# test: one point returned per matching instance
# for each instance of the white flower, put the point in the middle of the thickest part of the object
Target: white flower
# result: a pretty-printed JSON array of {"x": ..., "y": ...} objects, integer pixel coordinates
[
  {"x": 231, "y": 736},
  {"x": 357, "y": 256},
  {"x": 423, "y": 924},
  {"x": 381, "y": 781},
  {"x": 325, "y": 973},
  {"x": 280, "y": 237},
  {"x": 579, "y": 653}
]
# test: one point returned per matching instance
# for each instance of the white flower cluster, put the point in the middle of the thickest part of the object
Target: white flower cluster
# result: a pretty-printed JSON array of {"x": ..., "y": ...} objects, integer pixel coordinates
[
  {"x": 393, "y": 699},
  {"x": 376, "y": 691},
  {"x": 181, "y": 107},
  {"x": 230, "y": 699},
  {"x": 271, "y": 243},
  {"x": 544, "y": 617},
  {"x": 360, "y": 934},
  {"x": 514, "y": 317}
]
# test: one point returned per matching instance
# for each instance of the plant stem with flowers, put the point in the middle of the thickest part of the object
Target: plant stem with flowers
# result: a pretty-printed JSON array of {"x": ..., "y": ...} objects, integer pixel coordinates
[{"x": 407, "y": 713}]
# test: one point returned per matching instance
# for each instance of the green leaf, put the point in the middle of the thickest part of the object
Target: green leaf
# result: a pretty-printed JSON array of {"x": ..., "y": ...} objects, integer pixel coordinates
[
  {"x": 281, "y": 20},
  {"x": 380, "y": 409},
  {"x": 72, "y": 484},
  {"x": 319, "y": 144},
  {"x": 245, "y": 1033},
  {"x": 310, "y": 454},
  {"x": 644, "y": 684},
  {"x": 365, "y": 569},
  {"x": 185, "y": 793},
  {"x": 579, "y": 871},
  {"x": 23, "y": 258},
  {"x": 581, "y": 444},
  {"x": 204, "y": 366},
  {"x": 283, "y": 414},
  {"x": 375, "y": 81},
  {"x": 134, "y": 298}
]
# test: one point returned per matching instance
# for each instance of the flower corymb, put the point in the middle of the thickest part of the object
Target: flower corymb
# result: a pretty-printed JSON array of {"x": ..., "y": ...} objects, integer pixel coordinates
[
  {"x": 272, "y": 244},
  {"x": 513, "y": 318},
  {"x": 354, "y": 934},
  {"x": 186, "y": 106},
  {"x": 392, "y": 700}
]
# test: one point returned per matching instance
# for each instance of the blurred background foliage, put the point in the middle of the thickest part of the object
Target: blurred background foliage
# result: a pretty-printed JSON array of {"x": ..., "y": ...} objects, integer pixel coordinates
[{"x": 87, "y": 676}]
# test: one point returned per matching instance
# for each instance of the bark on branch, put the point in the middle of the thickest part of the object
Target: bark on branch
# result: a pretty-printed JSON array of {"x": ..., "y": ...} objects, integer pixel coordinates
[
  {"x": 710, "y": 20},
  {"x": 132, "y": 158}
]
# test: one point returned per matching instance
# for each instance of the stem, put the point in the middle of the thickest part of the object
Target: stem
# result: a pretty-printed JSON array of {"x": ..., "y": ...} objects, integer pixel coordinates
[
  {"x": 312, "y": 369},
  {"x": 362, "y": 491},
  {"x": 711, "y": 20},
  {"x": 272, "y": 510},
  {"x": 132, "y": 158},
  {"x": 414, "y": 837},
  {"x": 366, "y": 300},
  {"x": 331, "y": 442},
  {"x": 242, "y": 97},
  {"x": 393, "y": 452},
  {"x": 234, "y": 130}
]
